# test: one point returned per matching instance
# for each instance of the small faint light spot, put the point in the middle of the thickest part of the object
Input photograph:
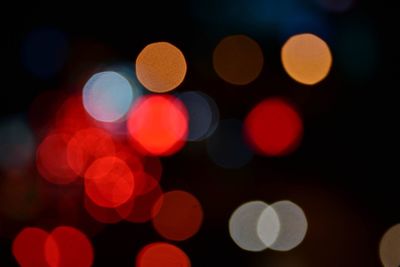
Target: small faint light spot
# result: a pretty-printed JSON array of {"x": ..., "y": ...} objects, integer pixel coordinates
[
  {"x": 67, "y": 246},
  {"x": 107, "y": 96},
  {"x": 51, "y": 159},
  {"x": 109, "y": 182},
  {"x": 293, "y": 225},
  {"x": 306, "y": 58},
  {"x": 203, "y": 114},
  {"x": 179, "y": 217},
  {"x": 158, "y": 125},
  {"x": 160, "y": 67},
  {"x": 44, "y": 52},
  {"x": 87, "y": 145},
  {"x": 238, "y": 59},
  {"x": 17, "y": 144},
  {"x": 389, "y": 248},
  {"x": 243, "y": 226},
  {"x": 28, "y": 247},
  {"x": 273, "y": 127},
  {"x": 227, "y": 147},
  {"x": 162, "y": 254}
]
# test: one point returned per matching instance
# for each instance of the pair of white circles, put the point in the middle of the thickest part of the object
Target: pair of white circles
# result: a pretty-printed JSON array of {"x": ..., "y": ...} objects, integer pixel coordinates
[{"x": 255, "y": 226}]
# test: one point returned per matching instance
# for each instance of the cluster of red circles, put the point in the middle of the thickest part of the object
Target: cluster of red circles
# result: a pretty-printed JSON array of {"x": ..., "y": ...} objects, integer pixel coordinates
[{"x": 118, "y": 166}]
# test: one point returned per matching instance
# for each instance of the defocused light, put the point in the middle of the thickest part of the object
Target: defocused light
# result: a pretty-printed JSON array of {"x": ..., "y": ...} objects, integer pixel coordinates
[
  {"x": 226, "y": 147},
  {"x": 67, "y": 246},
  {"x": 293, "y": 225},
  {"x": 142, "y": 208},
  {"x": 179, "y": 217},
  {"x": 17, "y": 144},
  {"x": 389, "y": 247},
  {"x": 306, "y": 58},
  {"x": 243, "y": 226},
  {"x": 238, "y": 59},
  {"x": 107, "y": 96},
  {"x": 273, "y": 127},
  {"x": 335, "y": 5},
  {"x": 158, "y": 124},
  {"x": 268, "y": 226},
  {"x": 162, "y": 254},
  {"x": 203, "y": 114},
  {"x": 72, "y": 116},
  {"x": 109, "y": 182},
  {"x": 160, "y": 67},
  {"x": 44, "y": 52},
  {"x": 51, "y": 159},
  {"x": 28, "y": 247},
  {"x": 86, "y": 146},
  {"x": 101, "y": 214}
]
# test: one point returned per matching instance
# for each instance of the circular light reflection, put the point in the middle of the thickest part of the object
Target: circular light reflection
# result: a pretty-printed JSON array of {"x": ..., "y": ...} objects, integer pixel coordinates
[
  {"x": 109, "y": 182},
  {"x": 293, "y": 225},
  {"x": 162, "y": 254},
  {"x": 67, "y": 246},
  {"x": 158, "y": 124},
  {"x": 28, "y": 247},
  {"x": 243, "y": 226},
  {"x": 389, "y": 247},
  {"x": 306, "y": 58},
  {"x": 160, "y": 67},
  {"x": 179, "y": 217},
  {"x": 51, "y": 159},
  {"x": 273, "y": 127},
  {"x": 107, "y": 96},
  {"x": 203, "y": 114},
  {"x": 238, "y": 59}
]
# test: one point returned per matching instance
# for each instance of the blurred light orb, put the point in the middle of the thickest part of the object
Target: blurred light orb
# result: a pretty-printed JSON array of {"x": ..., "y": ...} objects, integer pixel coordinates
[
  {"x": 160, "y": 67},
  {"x": 306, "y": 58},
  {"x": 238, "y": 59},
  {"x": 292, "y": 222},
  {"x": 389, "y": 247},
  {"x": 101, "y": 214},
  {"x": 268, "y": 226},
  {"x": 179, "y": 217},
  {"x": 109, "y": 182},
  {"x": 203, "y": 114},
  {"x": 51, "y": 159},
  {"x": 28, "y": 247},
  {"x": 158, "y": 124},
  {"x": 144, "y": 207},
  {"x": 67, "y": 246},
  {"x": 17, "y": 144},
  {"x": 107, "y": 96},
  {"x": 86, "y": 146},
  {"x": 162, "y": 254},
  {"x": 243, "y": 225},
  {"x": 227, "y": 147},
  {"x": 273, "y": 127},
  {"x": 44, "y": 52}
]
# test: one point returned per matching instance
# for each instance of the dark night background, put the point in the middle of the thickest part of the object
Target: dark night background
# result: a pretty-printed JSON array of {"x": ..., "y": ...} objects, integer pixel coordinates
[{"x": 344, "y": 174}]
